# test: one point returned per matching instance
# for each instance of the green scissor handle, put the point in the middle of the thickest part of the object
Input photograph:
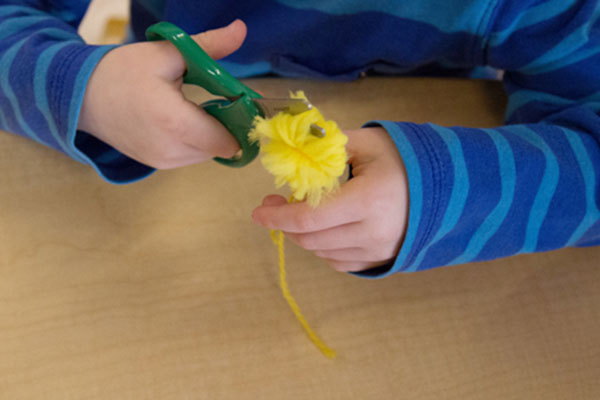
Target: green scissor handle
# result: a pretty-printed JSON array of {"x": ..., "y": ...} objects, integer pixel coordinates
[{"x": 237, "y": 111}]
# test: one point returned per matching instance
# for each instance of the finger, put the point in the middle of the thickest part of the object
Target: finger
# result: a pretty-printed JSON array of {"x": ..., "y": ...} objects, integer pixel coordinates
[
  {"x": 199, "y": 130},
  {"x": 182, "y": 160},
  {"x": 342, "y": 208},
  {"x": 338, "y": 237},
  {"x": 217, "y": 43},
  {"x": 352, "y": 266},
  {"x": 358, "y": 146},
  {"x": 205, "y": 134},
  {"x": 367, "y": 145},
  {"x": 274, "y": 200},
  {"x": 221, "y": 42}
]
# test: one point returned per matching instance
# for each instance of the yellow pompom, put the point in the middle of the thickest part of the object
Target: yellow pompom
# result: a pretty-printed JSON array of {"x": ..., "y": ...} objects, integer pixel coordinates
[{"x": 310, "y": 165}]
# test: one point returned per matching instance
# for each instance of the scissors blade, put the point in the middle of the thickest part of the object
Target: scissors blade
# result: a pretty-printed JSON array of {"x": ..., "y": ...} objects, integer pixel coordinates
[{"x": 270, "y": 107}]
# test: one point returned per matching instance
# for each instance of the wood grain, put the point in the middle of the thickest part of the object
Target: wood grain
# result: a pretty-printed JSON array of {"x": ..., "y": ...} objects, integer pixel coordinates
[{"x": 164, "y": 289}]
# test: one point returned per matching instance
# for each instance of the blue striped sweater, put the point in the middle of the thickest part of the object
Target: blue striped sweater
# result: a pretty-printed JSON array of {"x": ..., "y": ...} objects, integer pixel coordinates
[{"x": 475, "y": 194}]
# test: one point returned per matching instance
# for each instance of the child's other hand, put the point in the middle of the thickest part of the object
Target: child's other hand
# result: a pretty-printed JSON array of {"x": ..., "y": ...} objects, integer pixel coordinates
[
  {"x": 362, "y": 225},
  {"x": 133, "y": 102}
]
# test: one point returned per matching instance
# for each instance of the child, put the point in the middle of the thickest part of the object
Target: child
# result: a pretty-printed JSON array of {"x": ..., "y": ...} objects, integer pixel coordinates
[{"x": 422, "y": 196}]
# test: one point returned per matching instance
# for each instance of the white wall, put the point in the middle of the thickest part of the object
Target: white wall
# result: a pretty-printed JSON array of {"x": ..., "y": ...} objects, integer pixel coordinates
[{"x": 93, "y": 25}]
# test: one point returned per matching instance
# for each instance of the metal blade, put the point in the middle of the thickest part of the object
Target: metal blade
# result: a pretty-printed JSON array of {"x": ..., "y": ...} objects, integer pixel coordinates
[
  {"x": 270, "y": 107},
  {"x": 317, "y": 130}
]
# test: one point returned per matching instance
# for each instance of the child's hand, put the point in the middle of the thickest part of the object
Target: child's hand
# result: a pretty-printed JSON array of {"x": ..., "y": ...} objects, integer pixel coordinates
[
  {"x": 133, "y": 101},
  {"x": 361, "y": 226}
]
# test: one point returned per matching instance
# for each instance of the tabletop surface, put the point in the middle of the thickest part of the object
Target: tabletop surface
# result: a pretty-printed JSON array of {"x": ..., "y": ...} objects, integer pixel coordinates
[{"x": 165, "y": 289}]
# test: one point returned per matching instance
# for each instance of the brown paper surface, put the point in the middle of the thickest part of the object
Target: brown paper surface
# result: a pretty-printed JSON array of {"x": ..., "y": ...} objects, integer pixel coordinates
[{"x": 165, "y": 289}]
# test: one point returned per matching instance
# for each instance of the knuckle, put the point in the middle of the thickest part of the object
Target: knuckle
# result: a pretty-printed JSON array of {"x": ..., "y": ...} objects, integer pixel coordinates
[
  {"x": 376, "y": 254},
  {"x": 374, "y": 205},
  {"x": 161, "y": 164},
  {"x": 373, "y": 199},
  {"x": 171, "y": 125},
  {"x": 384, "y": 233},
  {"x": 337, "y": 265},
  {"x": 319, "y": 254},
  {"x": 382, "y": 252},
  {"x": 162, "y": 155},
  {"x": 380, "y": 236},
  {"x": 163, "y": 150},
  {"x": 305, "y": 241},
  {"x": 304, "y": 222}
]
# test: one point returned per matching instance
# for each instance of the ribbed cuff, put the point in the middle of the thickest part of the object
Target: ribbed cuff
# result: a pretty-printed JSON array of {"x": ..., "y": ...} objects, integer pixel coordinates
[
  {"x": 425, "y": 173},
  {"x": 68, "y": 81}
]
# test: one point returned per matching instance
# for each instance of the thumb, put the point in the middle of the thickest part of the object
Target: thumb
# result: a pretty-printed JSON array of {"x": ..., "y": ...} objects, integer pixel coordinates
[
  {"x": 360, "y": 148},
  {"x": 221, "y": 42},
  {"x": 368, "y": 145}
]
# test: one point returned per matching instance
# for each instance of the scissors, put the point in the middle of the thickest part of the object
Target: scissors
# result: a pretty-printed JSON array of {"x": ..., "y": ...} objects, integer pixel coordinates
[{"x": 239, "y": 105}]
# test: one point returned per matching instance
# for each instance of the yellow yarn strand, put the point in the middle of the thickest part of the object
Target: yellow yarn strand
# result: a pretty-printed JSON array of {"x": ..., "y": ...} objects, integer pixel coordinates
[
  {"x": 278, "y": 239},
  {"x": 310, "y": 166}
]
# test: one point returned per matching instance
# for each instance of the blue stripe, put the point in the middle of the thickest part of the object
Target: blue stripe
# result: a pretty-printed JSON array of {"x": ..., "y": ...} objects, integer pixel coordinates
[
  {"x": 380, "y": 42},
  {"x": 41, "y": 97},
  {"x": 587, "y": 170},
  {"x": 493, "y": 221},
  {"x": 446, "y": 16},
  {"x": 458, "y": 197},
  {"x": 564, "y": 62},
  {"x": 3, "y": 122},
  {"x": 66, "y": 15},
  {"x": 415, "y": 186},
  {"x": 19, "y": 24},
  {"x": 531, "y": 16},
  {"x": 246, "y": 70},
  {"x": 8, "y": 10},
  {"x": 565, "y": 52},
  {"x": 523, "y": 97},
  {"x": 5, "y": 65},
  {"x": 546, "y": 190},
  {"x": 77, "y": 99}
]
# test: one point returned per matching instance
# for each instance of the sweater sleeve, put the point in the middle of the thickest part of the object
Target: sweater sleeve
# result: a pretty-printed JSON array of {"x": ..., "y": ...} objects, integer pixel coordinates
[
  {"x": 44, "y": 69},
  {"x": 532, "y": 185}
]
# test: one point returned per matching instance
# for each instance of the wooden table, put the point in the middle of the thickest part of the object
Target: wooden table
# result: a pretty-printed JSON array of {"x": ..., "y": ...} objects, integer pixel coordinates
[{"x": 165, "y": 289}]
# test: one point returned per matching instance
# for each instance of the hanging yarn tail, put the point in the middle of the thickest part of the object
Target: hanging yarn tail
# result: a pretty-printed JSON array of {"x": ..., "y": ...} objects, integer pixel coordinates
[
  {"x": 309, "y": 164},
  {"x": 278, "y": 239}
]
